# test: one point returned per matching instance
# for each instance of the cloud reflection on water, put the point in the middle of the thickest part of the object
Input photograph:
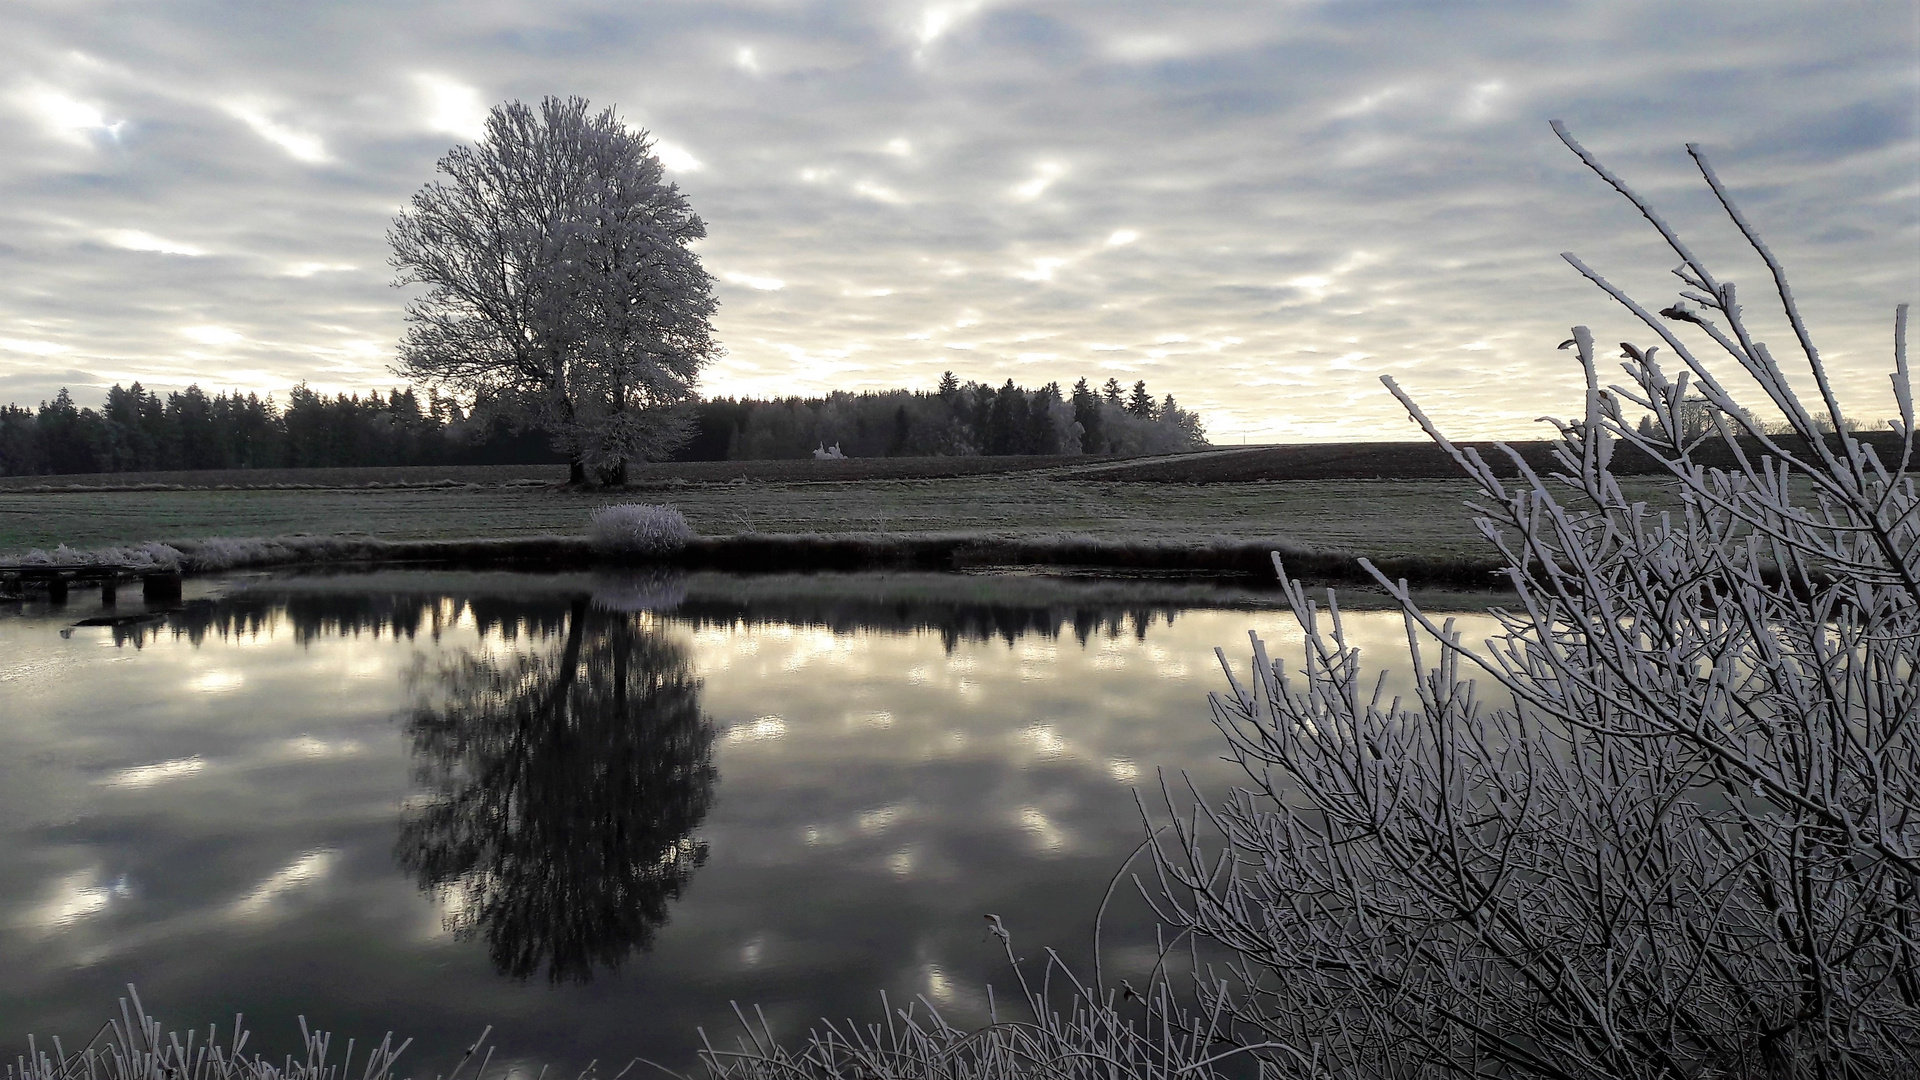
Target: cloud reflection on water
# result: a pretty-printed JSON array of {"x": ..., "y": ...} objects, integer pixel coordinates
[{"x": 891, "y": 766}]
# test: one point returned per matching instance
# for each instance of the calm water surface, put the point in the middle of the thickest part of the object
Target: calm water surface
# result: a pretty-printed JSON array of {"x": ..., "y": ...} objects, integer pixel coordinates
[{"x": 591, "y": 812}]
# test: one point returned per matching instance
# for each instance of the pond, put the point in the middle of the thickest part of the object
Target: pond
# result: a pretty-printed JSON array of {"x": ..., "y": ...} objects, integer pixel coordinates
[{"x": 591, "y": 812}]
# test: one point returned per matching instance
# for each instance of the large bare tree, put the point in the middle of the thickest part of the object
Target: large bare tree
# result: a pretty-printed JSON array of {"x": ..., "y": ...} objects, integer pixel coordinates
[{"x": 558, "y": 274}]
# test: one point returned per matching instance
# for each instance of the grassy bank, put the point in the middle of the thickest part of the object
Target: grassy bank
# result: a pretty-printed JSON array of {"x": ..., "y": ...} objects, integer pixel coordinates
[
  {"x": 1423, "y": 518},
  {"x": 927, "y": 513}
]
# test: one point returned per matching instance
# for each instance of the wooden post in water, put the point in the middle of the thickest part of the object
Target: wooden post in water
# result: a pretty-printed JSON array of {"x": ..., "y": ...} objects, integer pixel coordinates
[
  {"x": 57, "y": 589},
  {"x": 160, "y": 587},
  {"x": 109, "y": 590}
]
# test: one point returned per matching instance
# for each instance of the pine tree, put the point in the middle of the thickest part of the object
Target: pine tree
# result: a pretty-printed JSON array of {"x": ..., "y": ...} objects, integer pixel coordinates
[
  {"x": 1140, "y": 402},
  {"x": 1086, "y": 413}
]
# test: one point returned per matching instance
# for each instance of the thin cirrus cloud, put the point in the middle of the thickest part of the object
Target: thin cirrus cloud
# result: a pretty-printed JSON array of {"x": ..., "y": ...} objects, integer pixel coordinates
[{"x": 1259, "y": 208}]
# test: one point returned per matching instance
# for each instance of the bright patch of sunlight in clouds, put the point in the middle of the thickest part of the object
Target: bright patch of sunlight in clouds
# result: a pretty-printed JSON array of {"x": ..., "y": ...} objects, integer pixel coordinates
[
  {"x": 878, "y": 192},
  {"x": 299, "y": 145},
  {"x": 452, "y": 107},
  {"x": 937, "y": 19},
  {"x": 67, "y": 118},
  {"x": 676, "y": 158},
  {"x": 1044, "y": 174},
  {"x": 140, "y": 240},
  {"x": 1147, "y": 48},
  {"x": 1041, "y": 269},
  {"x": 1482, "y": 99},
  {"x": 212, "y": 335},
  {"x": 32, "y": 348},
  {"x": 752, "y": 281}
]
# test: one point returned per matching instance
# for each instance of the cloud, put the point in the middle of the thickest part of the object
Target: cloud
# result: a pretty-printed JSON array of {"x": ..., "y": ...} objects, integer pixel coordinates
[
  {"x": 212, "y": 335},
  {"x": 452, "y": 107},
  {"x": 878, "y": 192},
  {"x": 1146, "y": 48},
  {"x": 299, "y": 145},
  {"x": 764, "y": 284},
  {"x": 141, "y": 240},
  {"x": 937, "y": 19},
  {"x": 31, "y": 347},
  {"x": 676, "y": 158},
  {"x": 67, "y": 118},
  {"x": 1044, "y": 174},
  {"x": 1101, "y": 173}
]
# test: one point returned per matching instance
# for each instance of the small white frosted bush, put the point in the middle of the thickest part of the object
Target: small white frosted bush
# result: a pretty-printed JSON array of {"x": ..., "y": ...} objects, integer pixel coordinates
[
  {"x": 639, "y": 529},
  {"x": 146, "y": 556}
]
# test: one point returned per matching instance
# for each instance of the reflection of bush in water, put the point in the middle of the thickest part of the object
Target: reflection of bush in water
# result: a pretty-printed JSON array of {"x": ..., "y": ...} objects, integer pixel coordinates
[
  {"x": 640, "y": 590},
  {"x": 564, "y": 788}
]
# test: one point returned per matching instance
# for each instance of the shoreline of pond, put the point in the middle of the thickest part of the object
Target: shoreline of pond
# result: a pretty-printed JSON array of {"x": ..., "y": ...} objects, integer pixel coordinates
[{"x": 1247, "y": 562}]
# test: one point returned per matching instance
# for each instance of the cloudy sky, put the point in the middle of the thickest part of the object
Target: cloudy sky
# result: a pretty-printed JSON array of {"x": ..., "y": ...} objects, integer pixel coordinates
[{"x": 1259, "y": 207}]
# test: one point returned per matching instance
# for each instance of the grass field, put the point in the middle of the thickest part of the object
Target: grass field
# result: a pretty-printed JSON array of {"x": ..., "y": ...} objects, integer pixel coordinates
[{"x": 1384, "y": 517}]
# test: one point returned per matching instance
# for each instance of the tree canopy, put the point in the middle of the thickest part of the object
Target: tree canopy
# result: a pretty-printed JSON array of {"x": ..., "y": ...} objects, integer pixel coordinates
[{"x": 557, "y": 272}]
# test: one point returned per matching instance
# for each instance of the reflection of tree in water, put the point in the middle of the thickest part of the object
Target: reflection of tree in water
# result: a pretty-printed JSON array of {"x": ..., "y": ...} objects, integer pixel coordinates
[{"x": 565, "y": 785}]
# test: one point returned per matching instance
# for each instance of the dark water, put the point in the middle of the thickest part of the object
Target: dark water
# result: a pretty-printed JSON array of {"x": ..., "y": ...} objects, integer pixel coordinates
[{"x": 589, "y": 812}]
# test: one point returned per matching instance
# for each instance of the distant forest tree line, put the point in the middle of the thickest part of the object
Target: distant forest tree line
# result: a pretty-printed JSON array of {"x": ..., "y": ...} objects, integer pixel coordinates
[{"x": 137, "y": 430}]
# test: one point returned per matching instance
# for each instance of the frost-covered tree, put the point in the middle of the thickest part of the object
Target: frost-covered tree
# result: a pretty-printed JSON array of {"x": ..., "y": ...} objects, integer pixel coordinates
[{"x": 557, "y": 271}]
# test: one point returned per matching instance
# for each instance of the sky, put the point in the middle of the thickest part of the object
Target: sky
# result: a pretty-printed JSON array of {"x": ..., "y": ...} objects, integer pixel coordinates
[{"x": 1259, "y": 207}]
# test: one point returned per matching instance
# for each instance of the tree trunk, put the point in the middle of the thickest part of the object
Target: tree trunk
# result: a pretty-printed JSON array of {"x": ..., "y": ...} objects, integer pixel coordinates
[{"x": 576, "y": 472}]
